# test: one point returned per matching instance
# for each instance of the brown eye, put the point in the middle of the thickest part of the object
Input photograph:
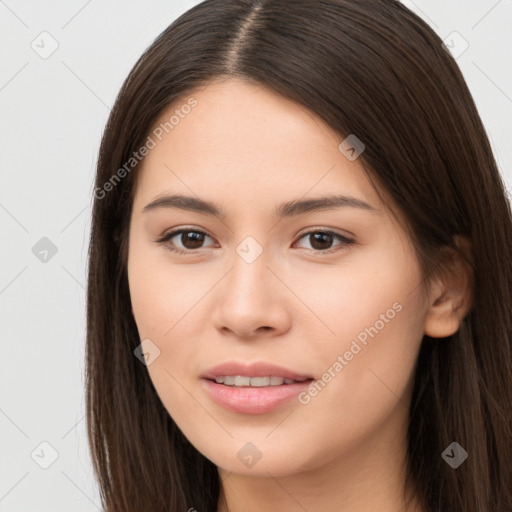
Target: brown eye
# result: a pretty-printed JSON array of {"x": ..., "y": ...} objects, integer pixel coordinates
[
  {"x": 190, "y": 239},
  {"x": 321, "y": 241}
]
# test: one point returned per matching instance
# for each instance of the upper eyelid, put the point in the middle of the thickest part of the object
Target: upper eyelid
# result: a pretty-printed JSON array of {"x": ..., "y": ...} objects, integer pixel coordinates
[{"x": 308, "y": 230}]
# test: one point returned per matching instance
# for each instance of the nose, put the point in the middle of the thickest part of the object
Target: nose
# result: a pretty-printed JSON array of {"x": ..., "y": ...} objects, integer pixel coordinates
[{"x": 251, "y": 302}]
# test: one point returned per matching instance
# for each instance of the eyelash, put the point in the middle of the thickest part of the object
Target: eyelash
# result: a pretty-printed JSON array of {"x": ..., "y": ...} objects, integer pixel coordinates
[{"x": 346, "y": 242}]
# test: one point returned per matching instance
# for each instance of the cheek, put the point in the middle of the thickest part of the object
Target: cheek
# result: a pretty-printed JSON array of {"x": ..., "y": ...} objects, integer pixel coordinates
[
  {"x": 352, "y": 296},
  {"x": 161, "y": 297},
  {"x": 372, "y": 313},
  {"x": 147, "y": 297},
  {"x": 161, "y": 293},
  {"x": 365, "y": 371}
]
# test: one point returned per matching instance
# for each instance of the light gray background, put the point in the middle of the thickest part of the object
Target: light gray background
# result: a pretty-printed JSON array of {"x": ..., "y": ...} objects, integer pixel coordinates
[{"x": 53, "y": 111}]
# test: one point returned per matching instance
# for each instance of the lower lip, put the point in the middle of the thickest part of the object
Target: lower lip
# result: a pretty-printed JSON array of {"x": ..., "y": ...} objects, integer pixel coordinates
[{"x": 253, "y": 400}]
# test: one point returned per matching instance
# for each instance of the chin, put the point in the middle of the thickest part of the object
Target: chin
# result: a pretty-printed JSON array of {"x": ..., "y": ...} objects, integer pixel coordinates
[{"x": 250, "y": 462}]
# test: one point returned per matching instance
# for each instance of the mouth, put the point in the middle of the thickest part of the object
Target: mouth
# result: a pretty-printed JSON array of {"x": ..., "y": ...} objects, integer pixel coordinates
[
  {"x": 254, "y": 387},
  {"x": 253, "y": 395}
]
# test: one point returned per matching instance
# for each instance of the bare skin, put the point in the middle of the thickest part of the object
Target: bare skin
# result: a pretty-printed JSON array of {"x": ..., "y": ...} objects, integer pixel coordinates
[{"x": 248, "y": 150}]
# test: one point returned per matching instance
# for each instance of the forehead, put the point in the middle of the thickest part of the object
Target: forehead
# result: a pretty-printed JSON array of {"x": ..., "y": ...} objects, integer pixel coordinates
[{"x": 243, "y": 140}]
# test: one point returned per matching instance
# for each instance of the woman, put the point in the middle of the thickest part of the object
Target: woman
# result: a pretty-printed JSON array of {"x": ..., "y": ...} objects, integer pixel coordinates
[{"x": 300, "y": 271}]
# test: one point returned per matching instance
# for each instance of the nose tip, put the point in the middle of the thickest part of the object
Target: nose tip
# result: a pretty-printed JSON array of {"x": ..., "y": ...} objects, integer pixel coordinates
[{"x": 249, "y": 303}]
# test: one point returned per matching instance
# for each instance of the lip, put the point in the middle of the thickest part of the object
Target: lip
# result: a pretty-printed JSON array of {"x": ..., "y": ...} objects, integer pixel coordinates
[
  {"x": 257, "y": 369},
  {"x": 257, "y": 400},
  {"x": 253, "y": 400}
]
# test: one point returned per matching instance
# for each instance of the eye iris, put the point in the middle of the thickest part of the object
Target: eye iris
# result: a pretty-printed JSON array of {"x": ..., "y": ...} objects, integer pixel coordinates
[
  {"x": 194, "y": 237},
  {"x": 319, "y": 237}
]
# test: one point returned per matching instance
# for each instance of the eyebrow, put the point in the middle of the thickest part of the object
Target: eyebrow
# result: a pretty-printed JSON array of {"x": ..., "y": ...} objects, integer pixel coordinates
[{"x": 289, "y": 209}]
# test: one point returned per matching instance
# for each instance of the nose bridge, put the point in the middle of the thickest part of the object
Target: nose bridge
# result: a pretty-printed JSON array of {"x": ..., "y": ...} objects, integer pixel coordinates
[
  {"x": 249, "y": 298},
  {"x": 249, "y": 274}
]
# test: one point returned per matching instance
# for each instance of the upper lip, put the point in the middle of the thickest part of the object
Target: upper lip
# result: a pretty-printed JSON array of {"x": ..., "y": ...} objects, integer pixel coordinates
[{"x": 256, "y": 369}]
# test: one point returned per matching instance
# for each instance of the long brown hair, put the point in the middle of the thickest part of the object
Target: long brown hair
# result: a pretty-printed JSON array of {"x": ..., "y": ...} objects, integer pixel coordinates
[{"x": 368, "y": 67}]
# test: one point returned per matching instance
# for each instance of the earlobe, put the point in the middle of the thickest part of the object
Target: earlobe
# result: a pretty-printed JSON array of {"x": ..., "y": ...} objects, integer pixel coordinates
[
  {"x": 443, "y": 319},
  {"x": 452, "y": 294}
]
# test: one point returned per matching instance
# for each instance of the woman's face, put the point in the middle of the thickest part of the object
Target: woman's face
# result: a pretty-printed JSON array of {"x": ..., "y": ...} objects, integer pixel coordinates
[{"x": 270, "y": 284}]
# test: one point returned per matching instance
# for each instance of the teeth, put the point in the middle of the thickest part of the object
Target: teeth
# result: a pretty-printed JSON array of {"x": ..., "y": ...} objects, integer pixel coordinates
[
  {"x": 244, "y": 381},
  {"x": 258, "y": 381}
]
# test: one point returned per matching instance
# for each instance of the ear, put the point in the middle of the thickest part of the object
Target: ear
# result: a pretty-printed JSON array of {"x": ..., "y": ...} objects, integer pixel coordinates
[{"x": 451, "y": 297}]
